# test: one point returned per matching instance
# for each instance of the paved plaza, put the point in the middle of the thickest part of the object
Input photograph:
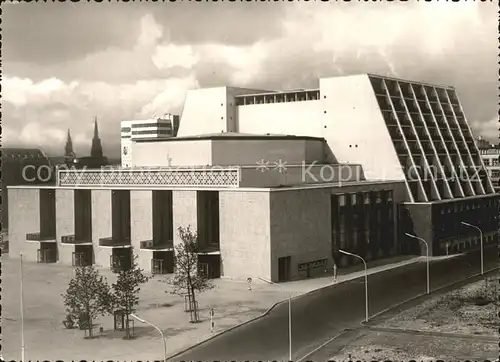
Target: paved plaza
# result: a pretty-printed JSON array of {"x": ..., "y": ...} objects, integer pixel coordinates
[{"x": 233, "y": 304}]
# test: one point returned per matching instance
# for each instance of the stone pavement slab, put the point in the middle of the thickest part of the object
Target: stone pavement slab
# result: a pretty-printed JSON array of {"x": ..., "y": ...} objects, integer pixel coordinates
[{"x": 233, "y": 304}]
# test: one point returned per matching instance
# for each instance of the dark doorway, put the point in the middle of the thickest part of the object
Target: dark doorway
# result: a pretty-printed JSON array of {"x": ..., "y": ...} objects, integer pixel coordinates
[
  {"x": 162, "y": 262},
  {"x": 120, "y": 213},
  {"x": 82, "y": 256},
  {"x": 47, "y": 205},
  {"x": 47, "y": 253},
  {"x": 83, "y": 215},
  {"x": 208, "y": 219},
  {"x": 209, "y": 265},
  {"x": 284, "y": 268},
  {"x": 121, "y": 259}
]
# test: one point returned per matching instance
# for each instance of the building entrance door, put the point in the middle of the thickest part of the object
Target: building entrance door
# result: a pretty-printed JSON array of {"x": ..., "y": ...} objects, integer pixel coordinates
[
  {"x": 284, "y": 268},
  {"x": 209, "y": 265}
]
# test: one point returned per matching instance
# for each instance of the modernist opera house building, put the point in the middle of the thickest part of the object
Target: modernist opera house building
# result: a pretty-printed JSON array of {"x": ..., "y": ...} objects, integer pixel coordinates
[{"x": 275, "y": 183}]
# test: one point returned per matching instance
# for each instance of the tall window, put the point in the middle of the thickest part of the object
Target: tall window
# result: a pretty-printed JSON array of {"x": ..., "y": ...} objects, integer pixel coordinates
[
  {"x": 163, "y": 229},
  {"x": 208, "y": 217},
  {"x": 342, "y": 240},
  {"x": 47, "y": 209},
  {"x": 120, "y": 200},
  {"x": 83, "y": 215}
]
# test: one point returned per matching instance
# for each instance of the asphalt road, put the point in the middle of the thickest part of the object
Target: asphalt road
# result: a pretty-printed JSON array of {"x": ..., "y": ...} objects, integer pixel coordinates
[{"x": 319, "y": 316}]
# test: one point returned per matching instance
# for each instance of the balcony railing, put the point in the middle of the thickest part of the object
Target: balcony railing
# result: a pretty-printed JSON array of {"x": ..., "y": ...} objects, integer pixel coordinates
[
  {"x": 39, "y": 237},
  {"x": 72, "y": 239},
  {"x": 110, "y": 241},
  {"x": 46, "y": 256},
  {"x": 157, "y": 244}
]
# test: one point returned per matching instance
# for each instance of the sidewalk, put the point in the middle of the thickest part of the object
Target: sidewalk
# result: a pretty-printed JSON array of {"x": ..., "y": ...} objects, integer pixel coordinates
[{"x": 233, "y": 304}]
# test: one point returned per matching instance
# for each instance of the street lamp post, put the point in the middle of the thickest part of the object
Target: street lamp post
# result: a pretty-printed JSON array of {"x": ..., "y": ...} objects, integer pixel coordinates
[
  {"x": 159, "y": 330},
  {"x": 426, "y": 258},
  {"x": 481, "y": 233},
  {"x": 22, "y": 308},
  {"x": 289, "y": 317},
  {"x": 366, "y": 280}
]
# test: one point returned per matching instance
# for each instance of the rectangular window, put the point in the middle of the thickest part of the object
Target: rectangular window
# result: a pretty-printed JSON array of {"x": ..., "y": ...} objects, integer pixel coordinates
[
  {"x": 342, "y": 200},
  {"x": 120, "y": 215},
  {"x": 208, "y": 217},
  {"x": 83, "y": 215},
  {"x": 353, "y": 199},
  {"x": 163, "y": 230}
]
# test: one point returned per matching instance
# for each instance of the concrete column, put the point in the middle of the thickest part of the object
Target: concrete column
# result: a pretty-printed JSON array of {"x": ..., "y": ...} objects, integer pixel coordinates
[
  {"x": 65, "y": 223},
  {"x": 101, "y": 225},
  {"x": 185, "y": 211},
  {"x": 24, "y": 217},
  {"x": 141, "y": 219}
]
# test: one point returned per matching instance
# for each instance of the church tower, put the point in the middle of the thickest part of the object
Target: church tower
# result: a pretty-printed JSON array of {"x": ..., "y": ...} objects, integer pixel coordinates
[
  {"x": 68, "y": 148},
  {"x": 96, "y": 150}
]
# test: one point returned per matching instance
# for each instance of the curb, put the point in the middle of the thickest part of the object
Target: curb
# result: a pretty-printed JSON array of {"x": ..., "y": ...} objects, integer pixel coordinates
[
  {"x": 366, "y": 324},
  {"x": 439, "y": 289},
  {"x": 278, "y": 303},
  {"x": 416, "y": 260}
]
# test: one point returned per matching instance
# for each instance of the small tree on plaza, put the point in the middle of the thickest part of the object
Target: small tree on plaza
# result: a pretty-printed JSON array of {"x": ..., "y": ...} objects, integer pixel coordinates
[
  {"x": 87, "y": 297},
  {"x": 126, "y": 291},
  {"x": 187, "y": 280}
]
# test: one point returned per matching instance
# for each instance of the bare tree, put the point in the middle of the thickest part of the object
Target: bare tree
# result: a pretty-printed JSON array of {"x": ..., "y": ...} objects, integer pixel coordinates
[{"x": 187, "y": 280}]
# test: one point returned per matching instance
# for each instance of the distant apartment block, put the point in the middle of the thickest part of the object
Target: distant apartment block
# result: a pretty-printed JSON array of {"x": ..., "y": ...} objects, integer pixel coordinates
[
  {"x": 491, "y": 157},
  {"x": 154, "y": 128}
]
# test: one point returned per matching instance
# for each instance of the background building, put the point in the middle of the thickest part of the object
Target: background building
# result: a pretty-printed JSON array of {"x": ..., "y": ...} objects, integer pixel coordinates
[
  {"x": 22, "y": 166},
  {"x": 490, "y": 154},
  {"x": 155, "y": 128}
]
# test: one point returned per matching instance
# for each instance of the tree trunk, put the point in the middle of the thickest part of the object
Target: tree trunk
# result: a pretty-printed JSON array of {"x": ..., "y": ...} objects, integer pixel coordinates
[
  {"x": 194, "y": 305},
  {"x": 127, "y": 329},
  {"x": 89, "y": 325}
]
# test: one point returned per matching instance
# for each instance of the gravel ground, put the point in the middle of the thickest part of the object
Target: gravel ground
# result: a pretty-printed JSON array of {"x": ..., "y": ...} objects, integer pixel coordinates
[
  {"x": 383, "y": 346},
  {"x": 454, "y": 312}
]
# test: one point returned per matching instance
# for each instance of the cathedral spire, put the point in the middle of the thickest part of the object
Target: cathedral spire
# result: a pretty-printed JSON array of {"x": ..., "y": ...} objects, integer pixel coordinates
[
  {"x": 68, "y": 148},
  {"x": 96, "y": 128},
  {"x": 96, "y": 150}
]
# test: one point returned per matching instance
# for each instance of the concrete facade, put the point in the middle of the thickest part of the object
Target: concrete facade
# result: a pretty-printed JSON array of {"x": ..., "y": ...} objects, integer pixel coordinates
[
  {"x": 300, "y": 228},
  {"x": 65, "y": 225},
  {"x": 257, "y": 226},
  {"x": 245, "y": 237},
  {"x": 101, "y": 225},
  {"x": 24, "y": 217}
]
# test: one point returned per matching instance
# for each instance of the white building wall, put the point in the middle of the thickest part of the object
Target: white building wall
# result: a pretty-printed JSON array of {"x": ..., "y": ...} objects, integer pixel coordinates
[
  {"x": 101, "y": 225},
  {"x": 172, "y": 153},
  {"x": 65, "y": 223},
  {"x": 185, "y": 212},
  {"x": 301, "y": 229},
  {"x": 205, "y": 111},
  {"x": 291, "y": 118},
  {"x": 245, "y": 234},
  {"x": 250, "y": 152},
  {"x": 141, "y": 225},
  {"x": 354, "y": 128},
  {"x": 211, "y": 110},
  {"x": 24, "y": 218}
]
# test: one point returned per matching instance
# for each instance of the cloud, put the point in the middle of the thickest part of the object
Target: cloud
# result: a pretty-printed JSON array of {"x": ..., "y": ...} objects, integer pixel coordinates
[
  {"x": 170, "y": 56},
  {"x": 166, "y": 54}
]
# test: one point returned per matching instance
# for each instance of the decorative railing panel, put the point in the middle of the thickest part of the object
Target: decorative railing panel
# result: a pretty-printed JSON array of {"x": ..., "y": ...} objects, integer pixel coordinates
[{"x": 181, "y": 177}]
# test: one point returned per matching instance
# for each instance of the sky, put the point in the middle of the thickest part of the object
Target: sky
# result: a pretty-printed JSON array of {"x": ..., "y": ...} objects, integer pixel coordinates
[{"x": 65, "y": 63}]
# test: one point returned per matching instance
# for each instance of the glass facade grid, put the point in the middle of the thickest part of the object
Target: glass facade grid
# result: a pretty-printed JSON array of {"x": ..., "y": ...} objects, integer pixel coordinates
[
  {"x": 363, "y": 225},
  {"x": 430, "y": 132}
]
